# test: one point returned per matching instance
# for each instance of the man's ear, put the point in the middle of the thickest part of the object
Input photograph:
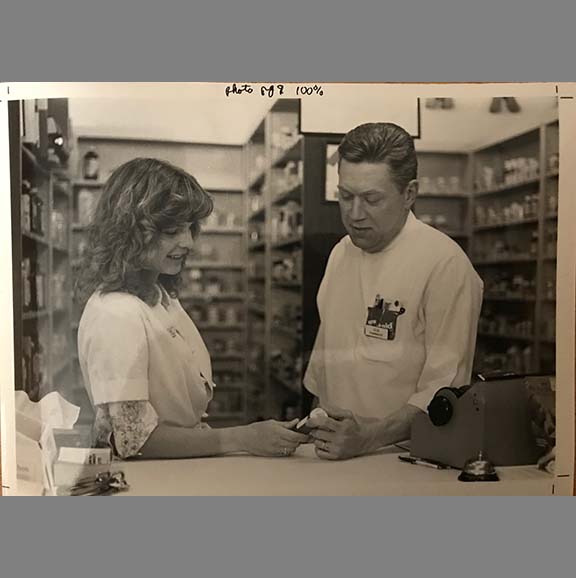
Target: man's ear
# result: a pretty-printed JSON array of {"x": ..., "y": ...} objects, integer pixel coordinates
[{"x": 410, "y": 193}]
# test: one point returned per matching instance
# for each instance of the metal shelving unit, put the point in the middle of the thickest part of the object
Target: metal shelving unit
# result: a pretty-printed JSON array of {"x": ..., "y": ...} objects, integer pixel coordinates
[
  {"x": 42, "y": 300},
  {"x": 537, "y": 265},
  {"x": 269, "y": 397}
]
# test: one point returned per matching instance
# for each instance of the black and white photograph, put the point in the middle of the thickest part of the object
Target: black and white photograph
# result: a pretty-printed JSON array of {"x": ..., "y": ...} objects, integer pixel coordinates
[{"x": 288, "y": 289}]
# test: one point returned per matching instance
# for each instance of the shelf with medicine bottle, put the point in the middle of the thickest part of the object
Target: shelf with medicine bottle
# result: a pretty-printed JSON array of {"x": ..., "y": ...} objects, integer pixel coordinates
[
  {"x": 274, "y": 177},
  {"x": 514, "y": 207},
  {"x": 40, "y": 143},
  {"x": 444, "y": 192}
]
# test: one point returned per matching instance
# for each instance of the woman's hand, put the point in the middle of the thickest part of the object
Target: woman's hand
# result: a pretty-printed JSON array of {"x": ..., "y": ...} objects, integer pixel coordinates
[{"x": 272, "y": 438}]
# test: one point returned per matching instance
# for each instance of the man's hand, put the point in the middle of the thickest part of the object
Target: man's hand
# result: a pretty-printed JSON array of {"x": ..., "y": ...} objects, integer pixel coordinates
[{"x": 342, "y": 435}]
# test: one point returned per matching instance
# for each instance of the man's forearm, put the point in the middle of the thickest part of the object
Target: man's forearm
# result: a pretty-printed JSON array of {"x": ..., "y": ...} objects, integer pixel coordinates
[{"x": 391, "y": 430}]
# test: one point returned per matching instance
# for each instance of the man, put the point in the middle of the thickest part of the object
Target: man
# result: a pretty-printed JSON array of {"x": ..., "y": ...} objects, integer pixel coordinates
[{"x": 399, "y": 303}]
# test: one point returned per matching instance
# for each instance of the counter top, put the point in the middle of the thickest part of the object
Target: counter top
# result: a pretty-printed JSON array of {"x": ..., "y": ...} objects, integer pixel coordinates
[{"x": 304, "y": 474}]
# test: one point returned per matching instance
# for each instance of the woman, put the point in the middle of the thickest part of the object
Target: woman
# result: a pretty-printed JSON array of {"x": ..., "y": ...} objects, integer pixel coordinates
[{"x": 144, "y": 364}]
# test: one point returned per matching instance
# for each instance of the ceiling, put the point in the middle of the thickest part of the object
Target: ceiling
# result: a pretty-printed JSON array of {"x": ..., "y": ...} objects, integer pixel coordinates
[
  {"x": 203, "y": 120},
  {"x": 213, "y": 118}
]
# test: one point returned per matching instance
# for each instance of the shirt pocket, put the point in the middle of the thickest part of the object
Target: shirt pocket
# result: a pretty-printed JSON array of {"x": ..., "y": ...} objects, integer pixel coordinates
[{"x": 378, "y": 349}]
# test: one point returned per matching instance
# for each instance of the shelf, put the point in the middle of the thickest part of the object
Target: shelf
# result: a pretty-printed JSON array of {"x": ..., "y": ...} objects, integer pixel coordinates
[
  {"x": 258, "y": 246},
  {"x": 257, "y": 279},
  {"x": 214, "y": 265},
  {"x": 293, "y": 334},
  {"x": 292, "y": 153},
  {"x": 226, "y": 191},
  {"x": 224, "y": 231},
  {"x": 510, "y": 298},
  {"x": 35, "y": 315},
  {"x": 457, "y": 197},
  {"x": 36, "y": 238},
  {"x": 258, "y": 215},
  {"x": 287, "y": 284},
  {"x": 88, "y": 184},
  {"x": 505, "y": 261},
  {"x": 508, "y": 188},
  {"x": 522, "y": 223},
  {"x": 220, "y": 327},
  {"x": 257, "y": 309},
  {"x": 287, "y": 243},
  {"x": 214, "y": 297},
  {"x": 294, "y": 194},
  {"x": 510, "y": 336}
]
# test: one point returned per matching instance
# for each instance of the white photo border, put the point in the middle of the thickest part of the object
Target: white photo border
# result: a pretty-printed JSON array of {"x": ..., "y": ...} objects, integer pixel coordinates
[{"x": 566, "y": 263}]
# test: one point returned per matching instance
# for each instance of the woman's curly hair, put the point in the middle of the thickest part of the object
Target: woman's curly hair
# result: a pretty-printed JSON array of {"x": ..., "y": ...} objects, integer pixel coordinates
[{"x": 142, "y": 198}]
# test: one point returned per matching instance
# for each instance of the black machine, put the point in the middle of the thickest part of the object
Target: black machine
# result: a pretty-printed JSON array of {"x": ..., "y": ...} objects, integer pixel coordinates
[{"x": 500, "y": 417}]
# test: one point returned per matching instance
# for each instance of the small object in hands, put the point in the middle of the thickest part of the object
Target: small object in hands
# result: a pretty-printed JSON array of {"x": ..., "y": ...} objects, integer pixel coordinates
[
  {"x": 478, "y": 469},
  {"x": 303, "y": 427},
  {"x": 104, "y": 484}
]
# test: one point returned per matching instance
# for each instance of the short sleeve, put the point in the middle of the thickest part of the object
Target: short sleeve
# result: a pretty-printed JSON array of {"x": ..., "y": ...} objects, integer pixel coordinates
[
  {"x": 125, "y": 426},
  {"x": 451, "y": 304},
  {"x": 113, "y": 350}
]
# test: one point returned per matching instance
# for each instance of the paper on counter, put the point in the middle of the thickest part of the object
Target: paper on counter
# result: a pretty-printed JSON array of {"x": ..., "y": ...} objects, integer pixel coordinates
[
  {"x": 35, "y": 422},
  {"x": 52, "y": 411}
]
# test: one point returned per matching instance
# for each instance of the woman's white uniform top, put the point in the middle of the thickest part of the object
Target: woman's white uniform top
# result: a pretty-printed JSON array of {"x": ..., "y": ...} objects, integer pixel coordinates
[
  {"x": 395, "y": 325},
  {"x": 130, "y": 351}
]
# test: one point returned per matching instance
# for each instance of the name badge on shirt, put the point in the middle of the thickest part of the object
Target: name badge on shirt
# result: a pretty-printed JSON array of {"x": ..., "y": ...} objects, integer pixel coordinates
[{"x": 382, "y": 319}]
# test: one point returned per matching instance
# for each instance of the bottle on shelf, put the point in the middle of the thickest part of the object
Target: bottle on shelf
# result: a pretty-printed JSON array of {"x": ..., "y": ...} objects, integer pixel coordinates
[
  {"x": 39, "y": 288},
  {"x": 91, "y": 165},
  {"x": 534, "y": 243},
  {"x": 86, "y": 205},
  {"x": 38, "y": 365},
  {"x": 36, "y": 212},
  {"x": 26, "y": 284},
  {"x": 25, "y": 207}
]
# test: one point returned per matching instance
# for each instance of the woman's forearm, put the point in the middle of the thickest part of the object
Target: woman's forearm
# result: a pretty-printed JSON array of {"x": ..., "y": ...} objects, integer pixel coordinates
[{"x": 177, "y": 442}]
